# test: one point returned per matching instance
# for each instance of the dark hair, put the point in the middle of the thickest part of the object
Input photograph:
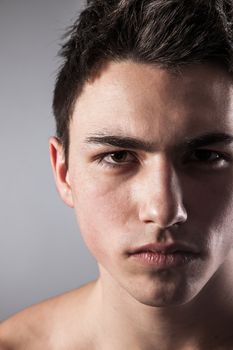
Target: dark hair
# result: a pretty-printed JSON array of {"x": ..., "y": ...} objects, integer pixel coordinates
[{"x": 167, "y": 33}]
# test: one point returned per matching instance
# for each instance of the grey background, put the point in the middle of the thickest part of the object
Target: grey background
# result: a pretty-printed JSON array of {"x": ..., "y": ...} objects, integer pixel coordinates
[{"x": 41, "y": 251}]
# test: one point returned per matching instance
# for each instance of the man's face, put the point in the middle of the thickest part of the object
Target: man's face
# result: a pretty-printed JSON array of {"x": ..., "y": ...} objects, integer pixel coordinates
[{"x": 179, "y": 189}]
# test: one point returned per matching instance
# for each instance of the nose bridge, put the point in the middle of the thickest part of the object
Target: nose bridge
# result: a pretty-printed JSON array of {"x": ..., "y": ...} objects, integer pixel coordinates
[
  {"x": 166, "y": 180},
  {"x": 163, "y": 199}
]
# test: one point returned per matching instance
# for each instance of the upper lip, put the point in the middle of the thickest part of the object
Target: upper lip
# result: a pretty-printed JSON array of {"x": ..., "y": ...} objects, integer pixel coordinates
[{"x": 165, "y": 248}]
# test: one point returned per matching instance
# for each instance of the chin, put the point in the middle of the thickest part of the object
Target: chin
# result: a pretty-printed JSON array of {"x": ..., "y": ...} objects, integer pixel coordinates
[
  {"x": 161, "y": 300},
  {"x": 163, "y": 292}
]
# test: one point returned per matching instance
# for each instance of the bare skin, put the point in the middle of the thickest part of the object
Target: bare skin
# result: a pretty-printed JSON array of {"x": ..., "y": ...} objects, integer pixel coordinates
[{"x": 164, "y": 192}]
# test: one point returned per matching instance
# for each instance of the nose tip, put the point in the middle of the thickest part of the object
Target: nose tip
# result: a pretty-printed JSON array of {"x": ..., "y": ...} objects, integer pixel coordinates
[
  {"x": 164, "y": 215},
  {"x": 162, "y": 202}
]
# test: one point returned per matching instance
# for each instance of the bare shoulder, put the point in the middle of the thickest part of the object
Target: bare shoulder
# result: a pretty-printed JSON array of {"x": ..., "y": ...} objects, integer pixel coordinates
[{"x": 58, "y": 323}]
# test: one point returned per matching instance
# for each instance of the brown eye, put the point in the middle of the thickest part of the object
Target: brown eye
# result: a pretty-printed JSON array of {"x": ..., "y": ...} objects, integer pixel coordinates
[
  {"x": 208, "y": 159},
  {"x": 118, "y": 159},
  {"x": 120, "y": 156},
  {"x": 205, "y": 155}
]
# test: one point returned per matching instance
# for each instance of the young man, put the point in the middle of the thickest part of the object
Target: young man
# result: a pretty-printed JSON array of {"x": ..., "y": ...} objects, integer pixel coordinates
[{"x": 144, "y": 155}]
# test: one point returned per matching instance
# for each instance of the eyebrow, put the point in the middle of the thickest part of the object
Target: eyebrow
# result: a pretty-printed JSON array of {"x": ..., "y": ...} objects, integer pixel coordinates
[{"x": 122, "y": 141}]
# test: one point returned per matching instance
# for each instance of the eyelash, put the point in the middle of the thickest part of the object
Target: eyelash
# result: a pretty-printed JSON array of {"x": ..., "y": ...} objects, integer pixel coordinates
[
  {"x": 102, "y": 158},
  {"x": 103, "y": 162},
  {"x": 220, "y": 157}
]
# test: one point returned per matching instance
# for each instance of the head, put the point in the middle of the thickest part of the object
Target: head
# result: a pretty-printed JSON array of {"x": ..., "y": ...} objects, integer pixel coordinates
[
  {"x": 168, "y": 34},
  {"x": 143, "y": 108}
]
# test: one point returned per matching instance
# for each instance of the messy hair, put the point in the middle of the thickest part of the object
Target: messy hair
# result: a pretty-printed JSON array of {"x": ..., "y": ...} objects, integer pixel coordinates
[{"x": 166, "y": 33}]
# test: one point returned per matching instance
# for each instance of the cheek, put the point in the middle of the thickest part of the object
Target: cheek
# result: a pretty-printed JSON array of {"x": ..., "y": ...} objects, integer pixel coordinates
[
  {"x": 212, "y": 200},
  {"x": 210, "y": 207},
  {"x": 102, "y": 209}
]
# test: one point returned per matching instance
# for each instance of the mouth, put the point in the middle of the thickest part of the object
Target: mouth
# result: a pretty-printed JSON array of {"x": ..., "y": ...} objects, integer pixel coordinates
[
  {"x": 165, "y": 248},
  {"x": 160, "y": 255}
]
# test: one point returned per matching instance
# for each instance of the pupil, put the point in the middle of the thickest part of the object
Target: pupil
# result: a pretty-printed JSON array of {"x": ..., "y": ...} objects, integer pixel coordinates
[
  {"x": 118, "y": 156},
  {"x": 203, "y": 155}
]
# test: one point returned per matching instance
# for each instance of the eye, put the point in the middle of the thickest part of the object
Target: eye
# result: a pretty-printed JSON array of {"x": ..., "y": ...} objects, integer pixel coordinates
[
  {"x": 209, "y": 158},
  {"x": 117, "y": 159},
  {"x": 204, "y": 155}
]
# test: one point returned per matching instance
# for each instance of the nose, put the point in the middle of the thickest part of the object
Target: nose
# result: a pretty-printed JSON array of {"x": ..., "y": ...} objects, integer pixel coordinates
[{"x": 161, "y": 201}]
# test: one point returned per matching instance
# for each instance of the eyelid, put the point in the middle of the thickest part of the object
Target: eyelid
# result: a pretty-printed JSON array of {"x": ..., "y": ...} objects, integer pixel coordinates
[
  {"x": 101, "y": 158},
  {"x": 222, "y": 156},
  {"x": 220, "y": 153}
]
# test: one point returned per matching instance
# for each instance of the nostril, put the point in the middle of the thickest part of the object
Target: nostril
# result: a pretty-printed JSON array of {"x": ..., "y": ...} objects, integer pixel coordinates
[{"x": 163, "y": 216}]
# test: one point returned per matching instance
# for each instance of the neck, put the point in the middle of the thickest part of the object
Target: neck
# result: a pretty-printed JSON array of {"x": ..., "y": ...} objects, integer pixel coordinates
[{"x": 204, "y": 322}]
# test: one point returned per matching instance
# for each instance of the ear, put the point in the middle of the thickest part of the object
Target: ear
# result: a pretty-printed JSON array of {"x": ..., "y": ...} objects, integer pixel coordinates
[{"x": 60, "y": 171}]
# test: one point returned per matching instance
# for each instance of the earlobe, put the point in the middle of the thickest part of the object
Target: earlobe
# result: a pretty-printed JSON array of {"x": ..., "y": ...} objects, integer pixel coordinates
[{"x": 60, "y": 171}]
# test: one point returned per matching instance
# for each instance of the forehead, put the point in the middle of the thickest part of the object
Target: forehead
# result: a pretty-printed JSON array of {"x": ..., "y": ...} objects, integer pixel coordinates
[{"x": 143, "y": 101}]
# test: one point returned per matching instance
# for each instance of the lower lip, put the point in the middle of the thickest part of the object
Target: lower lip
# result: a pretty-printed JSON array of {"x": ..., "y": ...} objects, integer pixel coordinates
[{"x": 163, "y": 260}]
